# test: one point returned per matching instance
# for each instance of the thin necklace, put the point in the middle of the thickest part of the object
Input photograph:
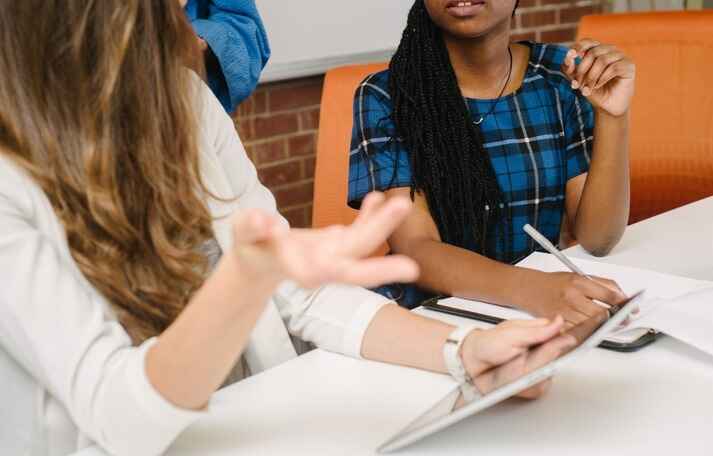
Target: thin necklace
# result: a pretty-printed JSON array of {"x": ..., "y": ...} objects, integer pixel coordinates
[{"x": 497, "y": 100}]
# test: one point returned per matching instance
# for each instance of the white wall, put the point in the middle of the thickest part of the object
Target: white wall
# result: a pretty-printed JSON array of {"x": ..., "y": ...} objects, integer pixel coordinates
[{"x": 310, "y": 36}]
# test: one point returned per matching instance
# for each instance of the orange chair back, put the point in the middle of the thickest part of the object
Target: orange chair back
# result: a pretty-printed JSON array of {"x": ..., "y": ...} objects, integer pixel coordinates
[
  {"x": 672, "y": 112},
  {"x": 335, "y": 127}
]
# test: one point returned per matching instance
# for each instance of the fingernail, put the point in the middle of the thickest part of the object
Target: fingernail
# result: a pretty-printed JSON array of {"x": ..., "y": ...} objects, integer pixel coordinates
[
  {"x": 575, "y": 84},
  {"x": 586, "y": 91}
]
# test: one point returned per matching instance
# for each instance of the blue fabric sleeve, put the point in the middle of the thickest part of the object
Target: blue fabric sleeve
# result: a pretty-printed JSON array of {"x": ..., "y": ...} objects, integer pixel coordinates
[
  {"x": 236, "y": 35},
  {"x": 577, "y": 112},
  {"x": 378, "y": 159},
  {"x": 579, "y": 135}
]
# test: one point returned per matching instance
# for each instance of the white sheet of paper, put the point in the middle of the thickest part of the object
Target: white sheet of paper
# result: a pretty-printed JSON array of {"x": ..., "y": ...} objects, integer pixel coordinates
[
  {"x": 631, "y": 280},
  {"x": 688, "y": 318},
  {"x": 659, "y": 288}
]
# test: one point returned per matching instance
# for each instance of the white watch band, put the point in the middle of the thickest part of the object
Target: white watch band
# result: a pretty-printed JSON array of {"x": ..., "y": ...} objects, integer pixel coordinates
[{"x": 454, "y": 362}]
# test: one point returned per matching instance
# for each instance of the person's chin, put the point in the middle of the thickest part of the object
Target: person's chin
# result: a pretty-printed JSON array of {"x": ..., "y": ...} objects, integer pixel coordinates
[{"x": 470, "y": 29}]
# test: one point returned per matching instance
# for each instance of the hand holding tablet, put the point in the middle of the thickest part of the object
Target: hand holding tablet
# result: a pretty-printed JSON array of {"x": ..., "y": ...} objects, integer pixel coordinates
[{"x": 522, "y": 374}]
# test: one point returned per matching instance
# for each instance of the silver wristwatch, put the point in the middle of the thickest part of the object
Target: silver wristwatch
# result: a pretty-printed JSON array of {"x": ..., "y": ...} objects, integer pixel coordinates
[{"x": 454, "y": 362}]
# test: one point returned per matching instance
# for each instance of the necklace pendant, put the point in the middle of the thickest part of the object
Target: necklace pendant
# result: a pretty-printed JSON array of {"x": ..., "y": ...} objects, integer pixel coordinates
[{"x": 497, "y": 100}]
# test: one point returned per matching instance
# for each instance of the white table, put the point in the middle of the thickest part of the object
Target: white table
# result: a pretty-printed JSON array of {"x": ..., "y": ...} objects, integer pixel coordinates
[
  {"x": 656, "y": 401},
  {"x": 679, "y": 242}
]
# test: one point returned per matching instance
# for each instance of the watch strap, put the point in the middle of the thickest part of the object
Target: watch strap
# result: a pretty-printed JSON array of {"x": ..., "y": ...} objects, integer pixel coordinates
[{"x": 454, "y": 362}]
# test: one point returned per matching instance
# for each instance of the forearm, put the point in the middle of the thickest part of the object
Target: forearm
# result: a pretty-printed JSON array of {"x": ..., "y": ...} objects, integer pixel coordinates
[
  {"x": 192, "y": 358},
  {"x": 454, "y": 271},
  {"x": 397, "y": 336},
  {"x": 603, "y": 209}
]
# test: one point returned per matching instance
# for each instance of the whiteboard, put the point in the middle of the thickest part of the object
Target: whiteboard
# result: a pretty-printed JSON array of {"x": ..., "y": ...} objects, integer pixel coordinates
[{"x": 309, "y": 37}]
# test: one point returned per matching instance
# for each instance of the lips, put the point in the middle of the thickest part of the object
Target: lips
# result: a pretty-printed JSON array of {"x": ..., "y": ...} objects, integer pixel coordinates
[{"x": 465, "y": 8}]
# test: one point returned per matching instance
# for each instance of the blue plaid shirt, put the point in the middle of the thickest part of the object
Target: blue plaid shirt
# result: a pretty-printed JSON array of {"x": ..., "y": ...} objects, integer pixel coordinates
[{"x": 538, "y": 138}]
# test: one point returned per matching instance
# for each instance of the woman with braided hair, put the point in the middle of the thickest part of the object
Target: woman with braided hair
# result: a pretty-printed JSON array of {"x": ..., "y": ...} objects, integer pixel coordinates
[{"x": 486, "y": 136}]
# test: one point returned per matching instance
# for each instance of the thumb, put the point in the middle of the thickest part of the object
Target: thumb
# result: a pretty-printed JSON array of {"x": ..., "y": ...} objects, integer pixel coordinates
[
  {"x": 588, "y": 326},
  {"x": 528, "y": 336},
  {"x": 252, "y": 226}
]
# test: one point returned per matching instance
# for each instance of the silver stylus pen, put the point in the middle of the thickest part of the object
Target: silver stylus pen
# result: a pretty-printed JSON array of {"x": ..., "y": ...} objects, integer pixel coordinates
[{"x": 547, "y": 245}]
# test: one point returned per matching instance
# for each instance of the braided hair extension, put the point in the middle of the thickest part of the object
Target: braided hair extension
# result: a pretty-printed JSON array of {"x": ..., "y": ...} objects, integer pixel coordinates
[{"x": 449, "y": 164}]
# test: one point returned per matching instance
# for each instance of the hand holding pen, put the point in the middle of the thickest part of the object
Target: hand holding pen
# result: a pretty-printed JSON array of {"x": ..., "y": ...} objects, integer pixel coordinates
[{"x": 574, "y": 295}]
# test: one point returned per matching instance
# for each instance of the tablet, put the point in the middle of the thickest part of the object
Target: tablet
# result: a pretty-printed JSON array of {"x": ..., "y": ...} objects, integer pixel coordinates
[{"x": 430, "y": 422}]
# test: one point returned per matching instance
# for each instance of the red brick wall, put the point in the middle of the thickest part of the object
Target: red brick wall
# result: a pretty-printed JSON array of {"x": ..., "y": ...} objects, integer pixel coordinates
[
  {"x": 278, "y": 124},
  {"x": 552, "y": 21}
]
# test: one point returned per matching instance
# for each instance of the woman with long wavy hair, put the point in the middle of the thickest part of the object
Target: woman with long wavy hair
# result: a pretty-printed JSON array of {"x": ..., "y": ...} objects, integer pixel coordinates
[{"x": 143, "y": 265}]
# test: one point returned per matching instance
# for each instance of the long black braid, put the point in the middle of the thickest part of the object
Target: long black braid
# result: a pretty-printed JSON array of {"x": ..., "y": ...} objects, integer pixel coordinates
[{"x": 449, "y": 164}]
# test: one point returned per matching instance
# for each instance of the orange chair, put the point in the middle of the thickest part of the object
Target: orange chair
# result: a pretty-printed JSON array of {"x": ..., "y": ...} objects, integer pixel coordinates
[
  {"x": 335, "y": 127},
  {"x": 672, "y": 112}
]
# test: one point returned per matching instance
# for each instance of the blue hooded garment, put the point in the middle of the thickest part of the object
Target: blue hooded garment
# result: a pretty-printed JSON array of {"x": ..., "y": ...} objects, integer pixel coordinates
[{"x": 238, "y": 43}]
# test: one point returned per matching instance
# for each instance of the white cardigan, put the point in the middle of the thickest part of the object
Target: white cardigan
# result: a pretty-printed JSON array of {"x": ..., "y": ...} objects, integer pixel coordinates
[{"x": 69, "y": 376}]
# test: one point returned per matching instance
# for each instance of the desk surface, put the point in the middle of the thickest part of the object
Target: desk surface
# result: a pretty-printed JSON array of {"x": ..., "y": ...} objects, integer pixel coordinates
[
  {"x": 656, "y": 401},
  {"x": 678, "y": 242}
]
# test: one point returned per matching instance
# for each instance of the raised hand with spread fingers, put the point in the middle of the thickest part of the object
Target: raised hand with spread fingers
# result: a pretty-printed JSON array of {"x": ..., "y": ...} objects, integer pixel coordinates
[{"x": 337, "y": 254}]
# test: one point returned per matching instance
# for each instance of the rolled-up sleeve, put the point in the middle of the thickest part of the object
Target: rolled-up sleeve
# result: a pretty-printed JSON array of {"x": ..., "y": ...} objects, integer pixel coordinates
[
  {"x": 333, "y": 317},
  {"x": 58, "y": 328}
]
